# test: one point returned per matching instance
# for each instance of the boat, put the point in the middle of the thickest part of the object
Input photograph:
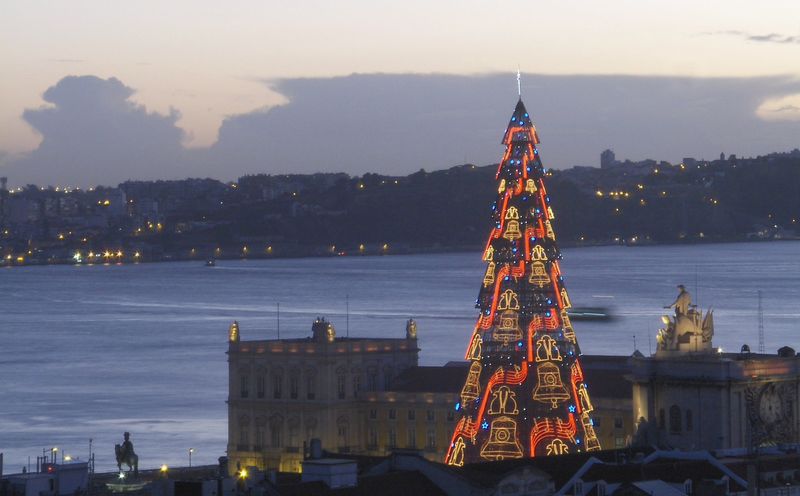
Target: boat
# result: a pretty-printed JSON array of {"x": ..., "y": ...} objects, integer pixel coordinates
[
  {"x": 211, "y": 262},
  {"x": 589, "y": 313}
]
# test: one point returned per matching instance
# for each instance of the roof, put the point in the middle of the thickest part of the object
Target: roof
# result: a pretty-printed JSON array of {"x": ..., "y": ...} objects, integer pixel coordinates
[
  {"x": 430, "y": 379},
  {"x": 605, "y": 377},
  {"x": 390, "y": 484}
]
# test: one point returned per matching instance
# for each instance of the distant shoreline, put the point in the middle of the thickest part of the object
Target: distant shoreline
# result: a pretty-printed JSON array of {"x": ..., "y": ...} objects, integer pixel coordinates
[{"x": 288, "y": 254}]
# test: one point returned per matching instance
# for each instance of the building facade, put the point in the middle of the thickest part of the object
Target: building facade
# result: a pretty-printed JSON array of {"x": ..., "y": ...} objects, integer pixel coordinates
[
  {"x": 282, "y": 393},
  {"x": 712, "y": 400}
]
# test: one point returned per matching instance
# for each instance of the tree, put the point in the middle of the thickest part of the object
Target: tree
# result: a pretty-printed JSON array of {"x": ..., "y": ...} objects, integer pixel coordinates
[{"x": 525, "y": 393}]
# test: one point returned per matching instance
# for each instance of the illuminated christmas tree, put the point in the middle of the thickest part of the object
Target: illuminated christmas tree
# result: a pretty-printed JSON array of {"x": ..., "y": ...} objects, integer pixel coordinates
[{"x": 525, "y": 393}]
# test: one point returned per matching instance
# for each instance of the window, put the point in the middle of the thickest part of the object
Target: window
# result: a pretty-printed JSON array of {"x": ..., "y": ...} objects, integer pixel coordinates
[
  {"x": 356, "y": 384},
  {"x": 373, "y": 438},
  {"x": 412, "y": 415},
  {"x": 293, "y": 387},
  {"x": 244, "y": 386},
  {"x": 260, "y": 437},
  {"x": 662, "y": 423},
  {"x": 275, "y": 434},
  {"x": 340, "y": 386},
  {"x": 431, "y": 415},
  {"x": 260, "y": 386},
  {"x": 689, "y": 420},
  {"x": 387, "y": 378},
  {"x": 244, "y": 435},
  {"x": 372, "y": 380},
  {"x": 674, "y": 419},
  {"x": 618, "y": 422},
  {"x": 277, "y": 386},
  {"x": 431, "y": 439},
  {"x": 392, "y": 414},
  {"x": 373, "y": 413},
  {"x": 411, "y": 441},
  {"x": 392, "y": 438},
  {"x": 619, "y": 442},
  {"x": 311, "y": 387}
]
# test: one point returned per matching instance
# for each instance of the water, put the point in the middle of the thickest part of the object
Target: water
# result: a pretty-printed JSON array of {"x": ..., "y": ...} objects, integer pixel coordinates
[{"x": 93, "y": 351}]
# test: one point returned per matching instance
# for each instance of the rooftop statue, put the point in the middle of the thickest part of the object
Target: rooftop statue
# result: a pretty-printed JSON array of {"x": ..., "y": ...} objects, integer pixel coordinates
[
  {"x": 126, "y": 455},
  {"x": 688, "y": 330},
  {"x": 411, "y": 329}
]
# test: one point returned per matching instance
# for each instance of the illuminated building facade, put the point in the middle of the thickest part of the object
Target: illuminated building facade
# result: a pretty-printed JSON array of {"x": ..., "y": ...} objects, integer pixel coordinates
[
  {"x": 524, "y": 393},
  {"x": 710, "y": 400},
  {"x": 284, "y": 392}
]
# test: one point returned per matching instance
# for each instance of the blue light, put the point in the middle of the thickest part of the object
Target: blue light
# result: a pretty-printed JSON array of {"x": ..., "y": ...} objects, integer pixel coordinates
[
  {"x": 458, "y": 406},
  {"x": 519, "y": 344},
  {"x": 526, "y": 115},
  {"x": 549, "y": 301},
  {"x": 572, "y": 408},
  {"x": 485, "y": 425}
]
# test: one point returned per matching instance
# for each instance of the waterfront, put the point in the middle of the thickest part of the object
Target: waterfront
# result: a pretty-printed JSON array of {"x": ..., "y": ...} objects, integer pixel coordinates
[{"x": 92, "y": 351}]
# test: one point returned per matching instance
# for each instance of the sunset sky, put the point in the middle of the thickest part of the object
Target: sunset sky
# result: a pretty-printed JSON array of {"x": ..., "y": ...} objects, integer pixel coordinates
[{"x": 211, "y": 60}]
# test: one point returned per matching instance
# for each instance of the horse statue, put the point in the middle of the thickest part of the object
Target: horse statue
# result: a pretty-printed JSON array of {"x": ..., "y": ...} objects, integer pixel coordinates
[{"x": 126, "y": 455}]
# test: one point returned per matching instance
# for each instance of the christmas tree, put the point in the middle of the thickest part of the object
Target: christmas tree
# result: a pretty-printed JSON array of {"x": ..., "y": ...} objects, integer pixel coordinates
[{"x": 525, "y": 393}]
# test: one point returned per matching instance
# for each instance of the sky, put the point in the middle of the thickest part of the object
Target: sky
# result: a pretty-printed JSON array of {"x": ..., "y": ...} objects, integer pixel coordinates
[{"x": 98, "y": 92}]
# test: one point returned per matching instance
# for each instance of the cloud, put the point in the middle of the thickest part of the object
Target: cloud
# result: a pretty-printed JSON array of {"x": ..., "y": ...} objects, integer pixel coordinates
[
  {"x": 761, "y": 38},
  {"x": 92, "y": 133},
  {"x": 399, "y": 123}
]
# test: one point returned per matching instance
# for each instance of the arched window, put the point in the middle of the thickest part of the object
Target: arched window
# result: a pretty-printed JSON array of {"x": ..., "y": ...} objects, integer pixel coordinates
[
  {"x": 244, "y": 433},
  {"x": 342, "y": 424},
  {"x": 276, "y": 431},
  {"x": 662, "y": 423},
  {"x": 261, "y": 434},
  {"x": 277, "y": 383},
  {"x": 674, "y": 418},
  {"x": 341, "y": 379},
  {"x": 294, "y": 379},
  {"x": 689, "y": 420},
  {"x": 311, "y": 384},
  {"x": 261, "y": 383}
]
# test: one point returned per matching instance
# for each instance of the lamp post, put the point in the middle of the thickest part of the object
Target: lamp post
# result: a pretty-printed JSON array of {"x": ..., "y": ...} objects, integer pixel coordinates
[{"x": 191, "y": 450}]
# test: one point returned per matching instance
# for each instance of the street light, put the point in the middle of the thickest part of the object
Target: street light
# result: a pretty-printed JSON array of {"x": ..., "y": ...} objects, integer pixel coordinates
[{"x": 191, "y": 450}]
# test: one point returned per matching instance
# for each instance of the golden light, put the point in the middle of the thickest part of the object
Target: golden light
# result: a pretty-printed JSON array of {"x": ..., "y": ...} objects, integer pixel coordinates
[
  {"x": 361, "y": 247},
  {"x": 598, "y": 193},
  {"x": 164, "y": 469},
  {"x": 119, "y": 254},
  {"x": 137, "y": 255},
  {"x": 67, "y": 458},
  {"x": 243, "y": 473}
]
